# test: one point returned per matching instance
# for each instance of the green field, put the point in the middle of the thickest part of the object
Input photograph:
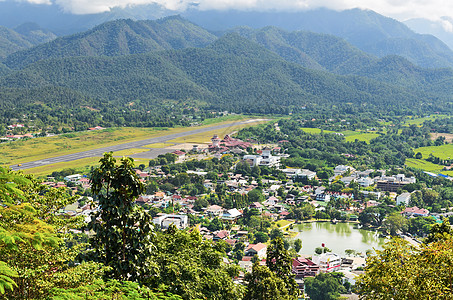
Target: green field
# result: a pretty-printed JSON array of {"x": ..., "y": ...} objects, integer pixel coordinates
[
  {"x": 426, "y": 166},
  {"x": 443, "y": 152},
  {"x": 419, "y": 121},
  {"x": 366, "y": 137},
  {"x": 40, "y": 148},
  {"x": 350, "y": 135},
  {"x": 315, "y": 130}
]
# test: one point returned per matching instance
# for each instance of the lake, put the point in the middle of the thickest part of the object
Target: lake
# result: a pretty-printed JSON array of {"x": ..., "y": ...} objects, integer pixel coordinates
[{"x": 337, "y": 237}]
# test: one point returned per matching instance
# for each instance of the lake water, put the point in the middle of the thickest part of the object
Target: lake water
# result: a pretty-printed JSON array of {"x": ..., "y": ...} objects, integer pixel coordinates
[{"x": 337, "y": 237}]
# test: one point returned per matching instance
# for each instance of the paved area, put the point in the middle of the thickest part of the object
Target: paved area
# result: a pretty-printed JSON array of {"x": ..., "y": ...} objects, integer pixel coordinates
[{"x": 137, "y": 144}]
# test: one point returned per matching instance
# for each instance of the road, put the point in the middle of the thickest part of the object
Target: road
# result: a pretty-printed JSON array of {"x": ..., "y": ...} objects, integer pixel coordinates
[{"x": 100, "y": 151}]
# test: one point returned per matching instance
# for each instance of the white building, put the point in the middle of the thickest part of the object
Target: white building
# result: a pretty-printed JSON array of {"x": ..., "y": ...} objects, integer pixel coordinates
[
  {"x": 365, "y": 181},
  {"x": 72, "y": 178},
  {"x": 403, "y": 199},
  {"x": 327, "y": 262},
  {"x": 341, "y": 169},
  {"x": 265, "y": 159},
  {"x": 164, "y": 221}
]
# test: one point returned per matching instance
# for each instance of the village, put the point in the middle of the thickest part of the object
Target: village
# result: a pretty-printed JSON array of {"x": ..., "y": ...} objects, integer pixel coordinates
[{"x": 238, "y": 194}]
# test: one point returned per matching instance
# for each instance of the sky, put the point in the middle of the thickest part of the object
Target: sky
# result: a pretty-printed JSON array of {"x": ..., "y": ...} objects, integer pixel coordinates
[{"x": 398, "y": 9}]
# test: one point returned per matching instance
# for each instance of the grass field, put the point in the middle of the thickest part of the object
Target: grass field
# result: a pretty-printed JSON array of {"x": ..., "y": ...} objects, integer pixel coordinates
[
  {"x": 159, "y": 145},
  {"x": 349, "y": 135},
  {"x": 41, "y": 148},
  {"x": 426, "y": 166},
  {"x": 443, "y": 152},
  {"x": 315, "y": 130},
  {"x": 419, "y": 121},
  {"x": 205, "y": 137},
  {"x": 80, "y": 166},
  {"x": 366, "y": 137}
]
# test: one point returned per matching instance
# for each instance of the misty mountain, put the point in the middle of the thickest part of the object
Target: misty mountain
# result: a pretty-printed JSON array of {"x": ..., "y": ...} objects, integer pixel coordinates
[
  {"x": 232, "y": 73},
  {"x": 120, "y": 37},
  {"x": 23, "y": 37},
  {"x": 311, "y": 50},
  {"x": 441, "y": 29},
  {"x": 365, "y": 29}
]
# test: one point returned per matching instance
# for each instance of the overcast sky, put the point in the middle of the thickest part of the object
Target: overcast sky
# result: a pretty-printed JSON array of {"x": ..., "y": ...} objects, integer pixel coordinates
[{"x": 398, "y": 9}]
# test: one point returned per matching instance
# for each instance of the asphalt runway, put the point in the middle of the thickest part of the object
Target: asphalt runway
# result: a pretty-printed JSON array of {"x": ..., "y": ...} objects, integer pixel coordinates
[{"x": 100, "y": 151}]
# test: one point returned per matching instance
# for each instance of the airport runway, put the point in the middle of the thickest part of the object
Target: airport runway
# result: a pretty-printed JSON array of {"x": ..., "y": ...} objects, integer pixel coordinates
[{"x": 100, "y": 151}]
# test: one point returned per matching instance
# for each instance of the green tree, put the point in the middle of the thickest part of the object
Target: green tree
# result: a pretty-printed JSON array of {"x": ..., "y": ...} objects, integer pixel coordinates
[
  {"x": 395, "y": 222},
  {"x": 279, "y": 261},
  {"x": 265, "y": 284},
  {"x": 324, "y": 287},
  {"x": 122, "y": 230},
  {"x": 297, "y": 245},
  {"x": 402, "y": 271}
]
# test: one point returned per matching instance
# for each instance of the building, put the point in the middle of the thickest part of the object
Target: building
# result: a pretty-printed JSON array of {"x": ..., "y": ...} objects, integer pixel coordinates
[
  {"x": 328, "y": 262},
  {"x": 231, "y": 215},
  {"x": 403, "y": 199},
  {"x": 303, "y": 267},
  {"x": 393, "y": 183},
  {"x": 259, "y": 250},
  {"x": 415, "y": 212},
  {"x": 164, "y": 221},
  {"x": 214, "y": 210},
  {"x": 72, "y": 178}
]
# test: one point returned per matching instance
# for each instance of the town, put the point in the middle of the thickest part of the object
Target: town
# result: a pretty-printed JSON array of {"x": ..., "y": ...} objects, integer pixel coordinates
[{"x": 238, "y": 194}]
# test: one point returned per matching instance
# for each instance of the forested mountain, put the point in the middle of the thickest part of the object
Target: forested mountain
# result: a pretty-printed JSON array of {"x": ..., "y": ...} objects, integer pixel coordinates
[
  {"x": 231, "y": 74},
  {"x": 365, "y": 29},
  {"x": 4, "y": 69},
  {"x": 311, "y": 50},
  {"x": 23, "y": 37},
  {"x": 119, "y": 37}
]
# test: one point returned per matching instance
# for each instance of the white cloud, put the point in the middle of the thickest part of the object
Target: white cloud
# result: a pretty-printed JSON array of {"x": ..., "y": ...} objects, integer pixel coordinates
[
  {"x": 399, "y": 9},
  {"x": 446, "y": 25}
]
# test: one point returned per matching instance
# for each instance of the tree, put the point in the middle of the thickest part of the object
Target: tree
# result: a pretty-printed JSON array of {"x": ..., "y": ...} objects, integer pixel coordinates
[
  {"x": 122, "y": 237},
  {"x": 440, "y": 232},
  {"x": 255, "y": 195},
  {"x": 394, "y": 223},
  {"x": 324, "y": 287},
  {"x": 265, "y": 284},
  {"x": 297, "y": 245},
  {"x": 279, "y": 261},
  {"x": 402, "y": 271}
]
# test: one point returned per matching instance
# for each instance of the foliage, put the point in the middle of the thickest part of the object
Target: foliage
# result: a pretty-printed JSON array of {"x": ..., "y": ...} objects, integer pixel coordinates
[
  {"x": 402, "y": 271},
  {"x": 122, "y": 237},
  {"x": 192, "y": 268},
  {"x": 324, "y": 287},
  {"x": 110, "y": 289},
  {"x": 279, "y": 261}
]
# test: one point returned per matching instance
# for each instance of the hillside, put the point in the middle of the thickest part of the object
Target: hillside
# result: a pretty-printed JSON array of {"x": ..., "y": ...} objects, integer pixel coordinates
[
  {"x": 231, "y": 74},
  {"x": 365, "y": 29},
  {"x": 22, "y": 38},
  {"x": 121, "y": 37},
  {"x": 311, "y": 50}
]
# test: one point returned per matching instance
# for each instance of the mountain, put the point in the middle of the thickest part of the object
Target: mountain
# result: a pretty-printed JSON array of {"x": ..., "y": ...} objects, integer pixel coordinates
[
  {"x": 311, "y": 50},
  {"x": 23, "y": 37},
  {"x": 4, "y": 70},
  {"x": 442, "y": 29},
  {"x": 365, "y": 29},
  {"x": 120, "y": 37},
  {"x": 232, "y": 74}
]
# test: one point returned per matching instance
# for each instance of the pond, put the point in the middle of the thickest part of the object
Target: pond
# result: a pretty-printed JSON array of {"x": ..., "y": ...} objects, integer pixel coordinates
[{"x": 337, "y": 237}]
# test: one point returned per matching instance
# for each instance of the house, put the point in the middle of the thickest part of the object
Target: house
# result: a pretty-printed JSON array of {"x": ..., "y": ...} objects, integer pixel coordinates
[
  {"x": 403, "y": 199},
  {"x": 165, "y": 220},
  {"x": 328, "y": 262},
  {"x": 221, "y": 235},
  {"x": 341, "y": 169},
  {"x": 214, "y": 210},
  {"x": 259, "y": 250},
  {"x": 231, "y": 215},
  {"x": 303, "y": 267},
  {"x": 256, "y": 205},
  {"x": 415, "y": 212},
  {"x": 323, "y": 197},
  {"x": 72, "y": 178},
  {"x": 365, "y": 181}
]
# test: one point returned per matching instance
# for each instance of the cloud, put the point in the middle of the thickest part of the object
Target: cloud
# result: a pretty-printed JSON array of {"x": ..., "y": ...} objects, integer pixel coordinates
[
  {"x": 399, "y": 9},
  {"x": 446, "y": 25}
]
